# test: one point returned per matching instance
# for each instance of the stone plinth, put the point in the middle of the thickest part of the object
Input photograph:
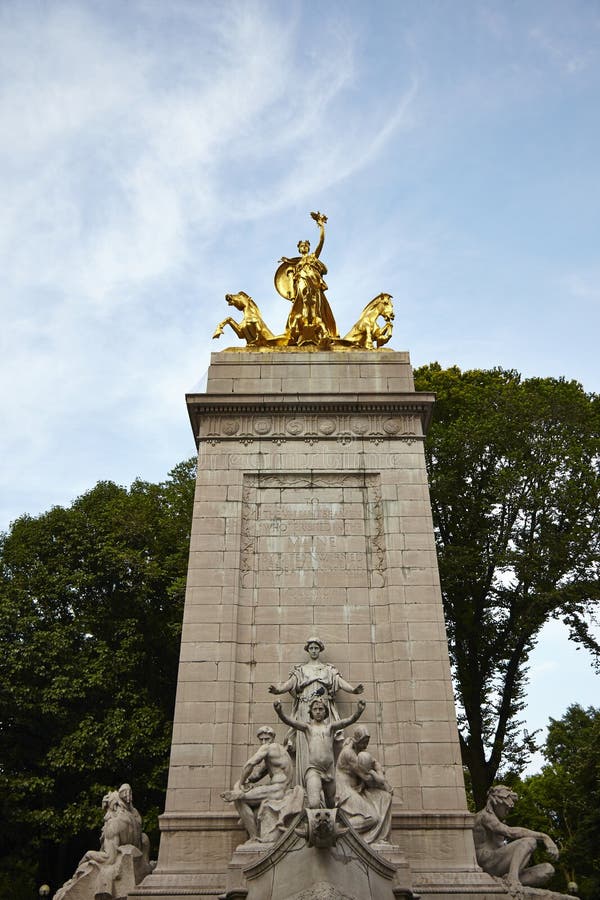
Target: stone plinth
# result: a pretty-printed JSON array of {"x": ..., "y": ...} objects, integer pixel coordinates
[
  {"x": 352, "y": 870},
  {"x": 312, "y": 516}
]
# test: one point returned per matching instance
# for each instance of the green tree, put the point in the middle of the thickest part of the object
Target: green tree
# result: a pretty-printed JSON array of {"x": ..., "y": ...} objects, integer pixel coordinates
[
  {"x": 513, "y": 468},
  {"x": 564, "y": 798},
  {"x": 91, "y": 600},
  {"x": 91, "y": 605}
]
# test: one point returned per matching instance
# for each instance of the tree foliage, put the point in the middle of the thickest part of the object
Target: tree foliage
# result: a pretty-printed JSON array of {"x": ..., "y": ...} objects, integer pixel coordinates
[
  {"x": 91, "y": 600},
  {"x": 513, "y": 468},
  {"x": 91, "y": 603},
  {"x": 564, "y": 799}
]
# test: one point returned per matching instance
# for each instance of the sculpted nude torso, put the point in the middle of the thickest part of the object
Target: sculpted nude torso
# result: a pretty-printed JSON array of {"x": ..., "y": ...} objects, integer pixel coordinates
[
  {"x": 270, "y": 760},
  {"x": 320, "y": 770}
]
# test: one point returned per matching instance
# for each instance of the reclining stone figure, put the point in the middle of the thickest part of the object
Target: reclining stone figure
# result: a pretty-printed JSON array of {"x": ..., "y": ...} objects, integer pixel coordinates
[
  {"x": 123, "y": 859},
  {"x": 504, "y": 850}
]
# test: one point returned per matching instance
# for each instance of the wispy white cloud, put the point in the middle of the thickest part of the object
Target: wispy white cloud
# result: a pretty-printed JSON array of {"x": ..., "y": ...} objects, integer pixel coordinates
[
  {"x": 570, "y": 57},
  {"x": 583, "y": 286},
  {"x": 143, "y": 142},
  {"x": 117, "y": 180},
  {"x": 155, "y": 155},
  {"x": 113, "y": 172}
]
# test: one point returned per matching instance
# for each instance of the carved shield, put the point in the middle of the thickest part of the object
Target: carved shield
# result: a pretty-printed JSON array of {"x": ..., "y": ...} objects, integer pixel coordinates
[{"x": 284, "y": 278}]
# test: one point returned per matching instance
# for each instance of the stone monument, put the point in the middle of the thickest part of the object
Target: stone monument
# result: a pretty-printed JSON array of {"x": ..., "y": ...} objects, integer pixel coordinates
[{"x": 312, "y": 527}]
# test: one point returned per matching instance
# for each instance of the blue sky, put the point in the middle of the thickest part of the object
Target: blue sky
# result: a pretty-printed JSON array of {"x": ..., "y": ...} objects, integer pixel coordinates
[{"x": 156, "y": 156}]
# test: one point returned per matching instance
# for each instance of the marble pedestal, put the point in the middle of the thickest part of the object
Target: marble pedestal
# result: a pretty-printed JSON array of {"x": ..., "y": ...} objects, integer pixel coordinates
[{"x": 312, "y": 516}]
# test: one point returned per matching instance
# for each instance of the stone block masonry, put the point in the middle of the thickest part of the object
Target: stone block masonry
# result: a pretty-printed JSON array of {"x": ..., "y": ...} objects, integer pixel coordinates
[{"x": 312, "y": 516}]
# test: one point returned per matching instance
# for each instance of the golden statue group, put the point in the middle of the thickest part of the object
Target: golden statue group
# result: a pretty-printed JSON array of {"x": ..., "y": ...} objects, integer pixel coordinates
[{"x": 311, "y": 324}]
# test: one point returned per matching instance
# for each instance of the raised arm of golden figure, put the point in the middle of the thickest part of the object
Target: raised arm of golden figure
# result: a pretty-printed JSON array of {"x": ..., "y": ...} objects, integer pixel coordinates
[{"x": 320, "y": 219}]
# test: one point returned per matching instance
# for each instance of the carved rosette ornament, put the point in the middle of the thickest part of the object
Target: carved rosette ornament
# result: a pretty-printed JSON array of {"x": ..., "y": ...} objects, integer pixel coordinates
[
  {"x": 341, "y": 427},
  {"x": 311, "y": 324}
]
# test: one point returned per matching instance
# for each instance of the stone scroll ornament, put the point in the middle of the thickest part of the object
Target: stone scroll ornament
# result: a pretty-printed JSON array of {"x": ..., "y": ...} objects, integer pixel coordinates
[
  {"x": 123, "y": 859},
  {"x": 505, "y": 851},
  {"x": 311, "y": 324},
  {"x": 310, "y": 681},
  {"x": 265, "y": 809}
]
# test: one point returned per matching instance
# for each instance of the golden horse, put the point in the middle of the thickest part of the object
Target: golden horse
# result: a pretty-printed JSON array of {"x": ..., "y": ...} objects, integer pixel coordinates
[
  {"x": 252, "y": 328},
  {"x": 368, "y": 333}
]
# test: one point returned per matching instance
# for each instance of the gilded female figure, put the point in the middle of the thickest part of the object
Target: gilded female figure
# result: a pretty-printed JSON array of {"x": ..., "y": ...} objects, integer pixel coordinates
[{"x": 300, "y": 279}]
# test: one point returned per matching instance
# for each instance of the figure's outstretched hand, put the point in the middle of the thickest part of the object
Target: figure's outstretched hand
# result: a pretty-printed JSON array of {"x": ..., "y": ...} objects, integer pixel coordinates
[
  {"x": 277, "y": 705},
  {"x": 358, "y": 689},
  {"x": 273, "y": 689},
  {"x": 320, "y": 218},
  {"x": 362, "y": 705},
  {"x": 550, "y": 847}
]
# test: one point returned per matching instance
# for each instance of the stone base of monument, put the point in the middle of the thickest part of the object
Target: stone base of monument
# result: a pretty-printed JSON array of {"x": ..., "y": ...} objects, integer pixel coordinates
[
  {"x": 484, "y": 887},
  {"x": 348, "y": 869},
  {"x": 449, "y": 885},
  {"x": 244, "y": 856},
  {"x": 107, "y": 882}
]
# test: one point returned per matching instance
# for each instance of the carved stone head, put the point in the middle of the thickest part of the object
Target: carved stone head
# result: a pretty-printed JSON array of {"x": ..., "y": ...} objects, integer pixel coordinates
[
  {"x": 314, "y": 640},
  {"x": 125, "y": 793},
  {"x": 265, "y": 734},
  {"x": 502, "y": 799},
  {"x": 360, "y": 738},
  {"x": 318, "y": 710}
]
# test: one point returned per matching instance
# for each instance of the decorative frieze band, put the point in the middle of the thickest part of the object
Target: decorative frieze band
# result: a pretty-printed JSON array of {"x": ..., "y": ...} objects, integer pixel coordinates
[{"x": 310, "y": 427}]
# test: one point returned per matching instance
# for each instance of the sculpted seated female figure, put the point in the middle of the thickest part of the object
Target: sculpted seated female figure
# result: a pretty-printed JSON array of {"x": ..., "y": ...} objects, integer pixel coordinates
[
  {"x": 307, "y": 682},
  {"x": 363, "y": 791}
]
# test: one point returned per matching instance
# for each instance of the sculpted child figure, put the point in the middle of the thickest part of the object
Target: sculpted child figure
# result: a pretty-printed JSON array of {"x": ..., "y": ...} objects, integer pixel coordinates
[{"x": 320, "y": 772}]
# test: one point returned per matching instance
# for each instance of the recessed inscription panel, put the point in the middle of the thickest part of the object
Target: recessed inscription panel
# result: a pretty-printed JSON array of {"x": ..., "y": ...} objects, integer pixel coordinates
[{"x": 317, "y": 531}]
